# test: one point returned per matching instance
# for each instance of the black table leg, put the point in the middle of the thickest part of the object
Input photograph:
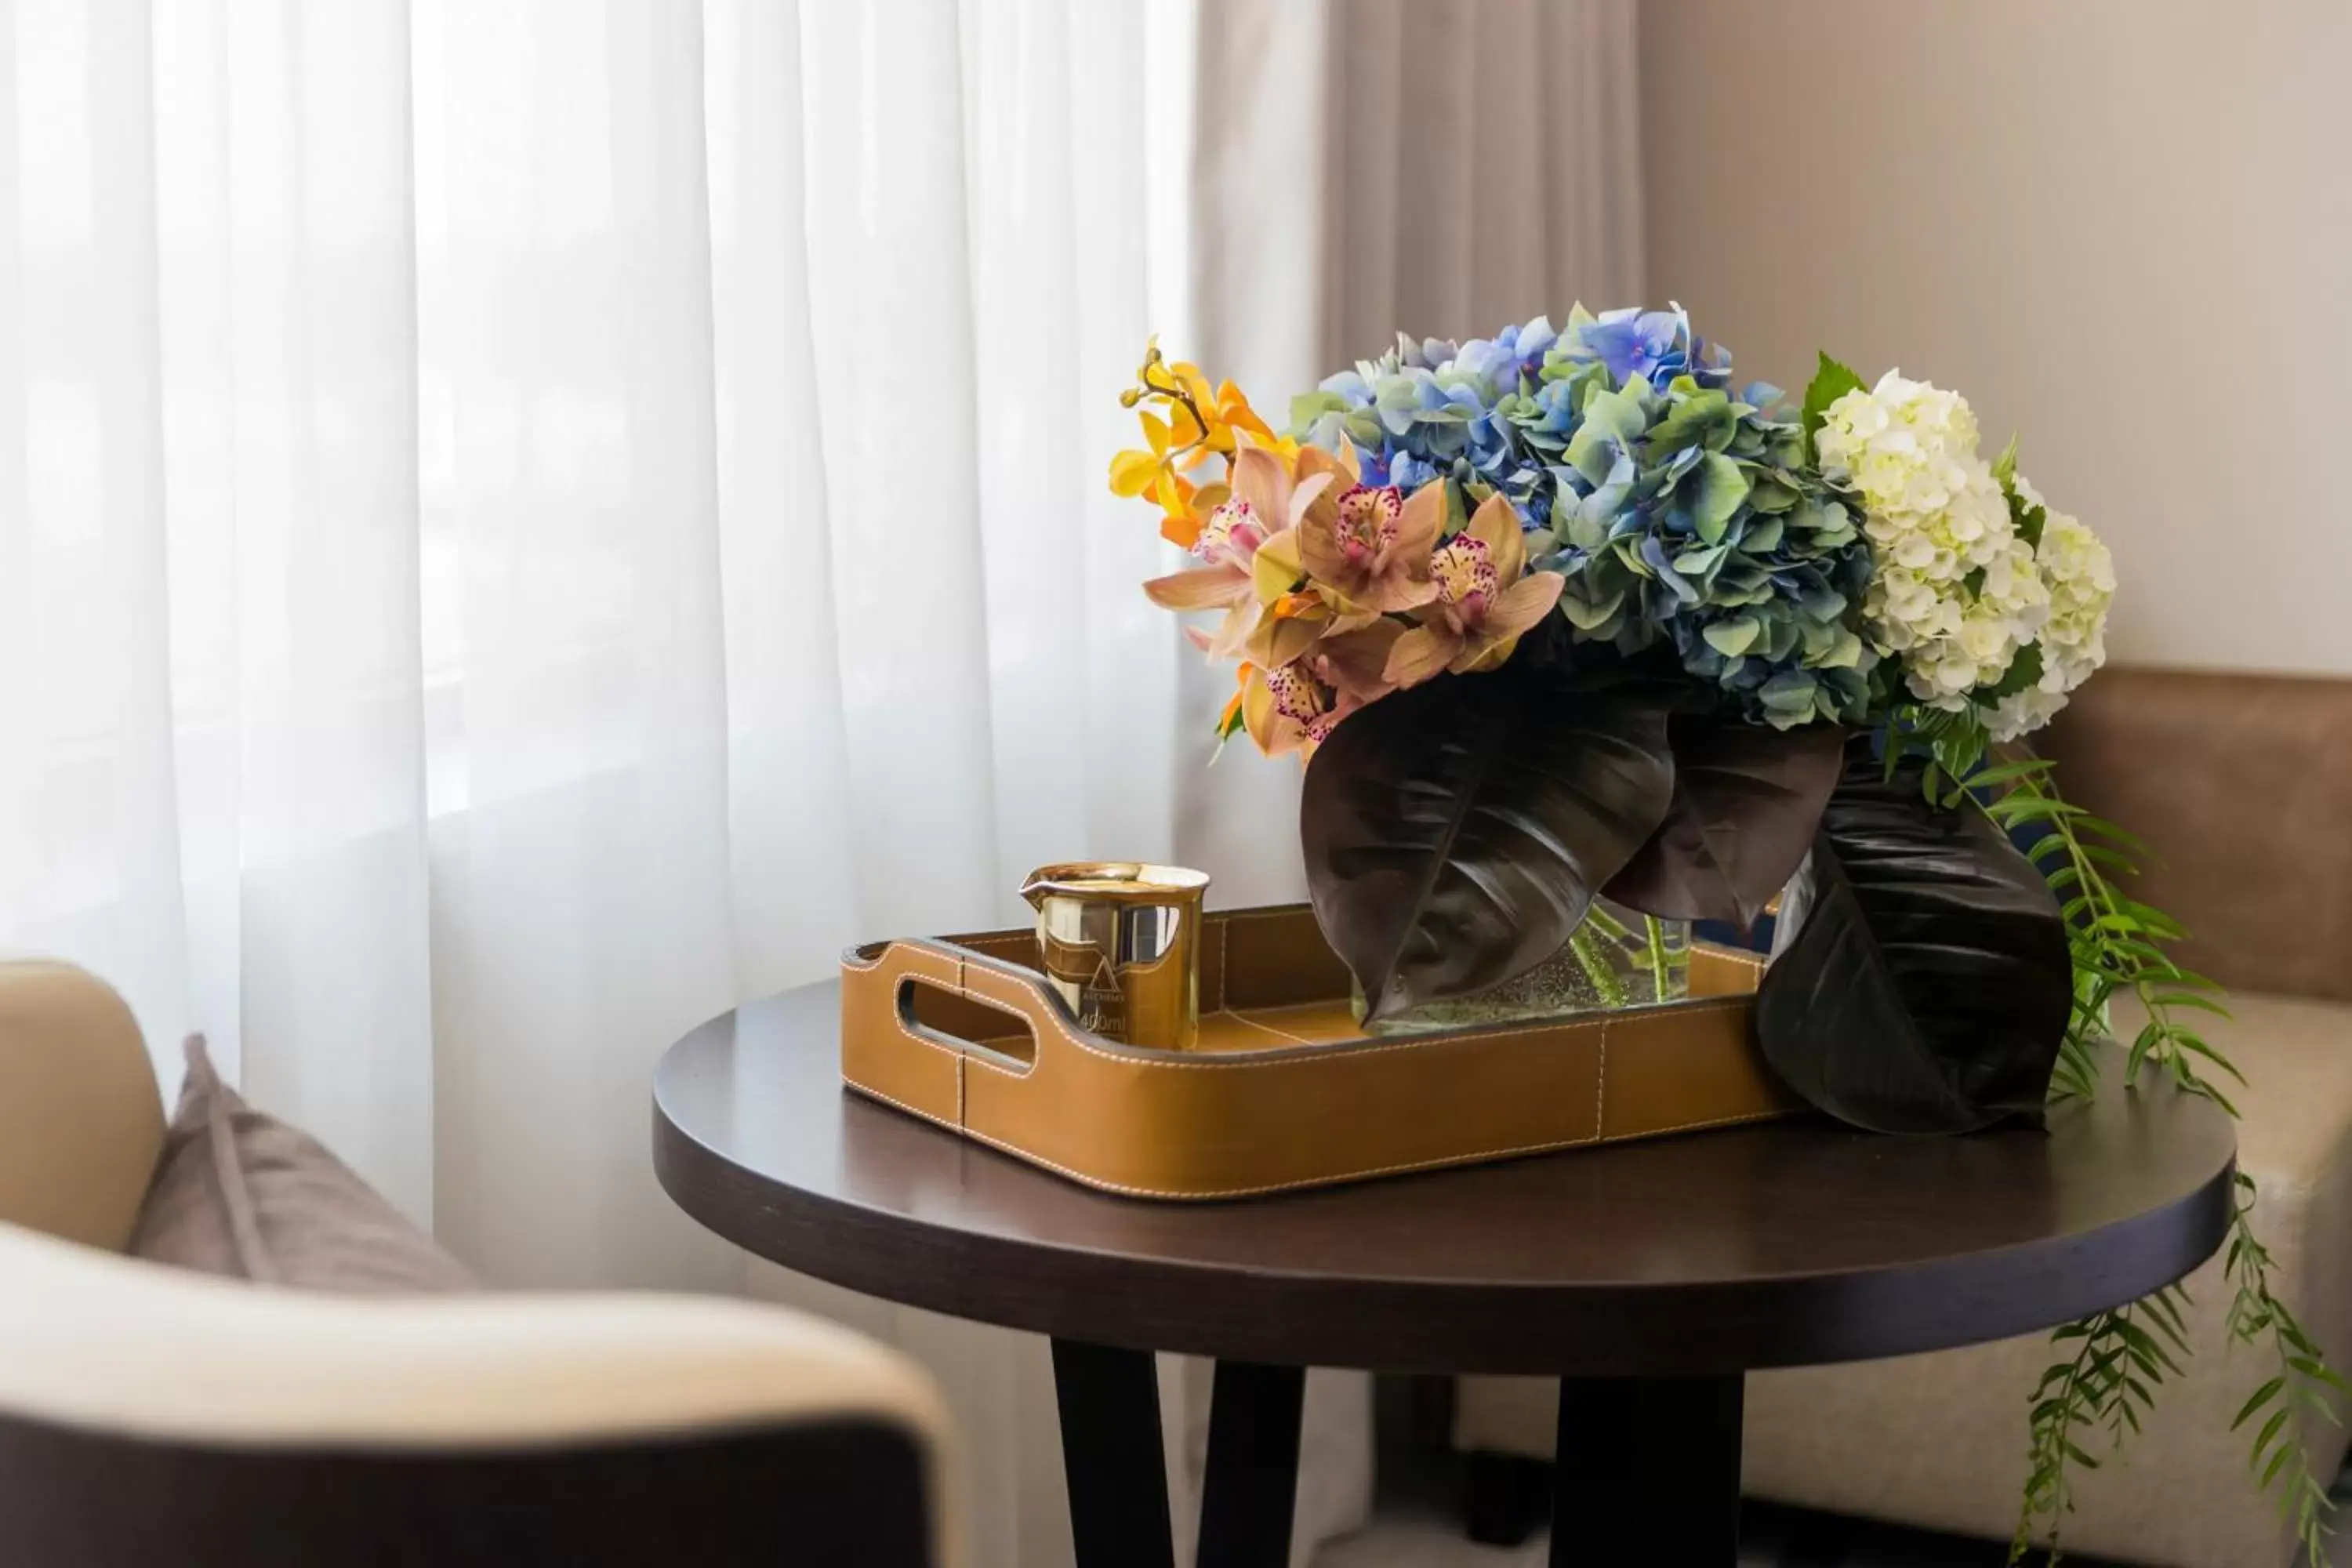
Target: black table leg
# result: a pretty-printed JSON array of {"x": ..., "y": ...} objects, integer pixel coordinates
[
  {"x": 1649, "y": 1472},
  {"x": 1253, "y": 1479},
  {"x": 1109, "y": 1404}
]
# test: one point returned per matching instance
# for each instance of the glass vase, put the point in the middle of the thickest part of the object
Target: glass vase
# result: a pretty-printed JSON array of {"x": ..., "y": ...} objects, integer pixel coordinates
[{"x": 1615, "y": 959}]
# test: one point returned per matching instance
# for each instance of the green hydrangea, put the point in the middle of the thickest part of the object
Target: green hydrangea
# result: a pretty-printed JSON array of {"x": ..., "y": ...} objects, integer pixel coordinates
[{"x": 1689, "y": 518}]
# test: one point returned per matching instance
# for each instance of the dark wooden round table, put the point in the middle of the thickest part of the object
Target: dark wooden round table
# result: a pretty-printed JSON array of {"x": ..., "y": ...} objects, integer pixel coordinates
[{"x": 1647, "y": 1277}]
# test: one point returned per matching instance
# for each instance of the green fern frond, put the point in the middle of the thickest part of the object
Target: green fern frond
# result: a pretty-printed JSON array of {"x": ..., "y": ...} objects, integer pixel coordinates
[{"x": 2111, "y": 1364}]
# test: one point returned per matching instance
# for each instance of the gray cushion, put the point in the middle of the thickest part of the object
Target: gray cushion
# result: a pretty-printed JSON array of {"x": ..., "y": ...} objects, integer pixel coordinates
[{"x": 239, "y": 1193}]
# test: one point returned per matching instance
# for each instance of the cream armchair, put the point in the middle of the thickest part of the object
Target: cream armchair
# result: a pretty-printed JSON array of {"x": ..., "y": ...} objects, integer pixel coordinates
[{"x": 151, "y": 1415}]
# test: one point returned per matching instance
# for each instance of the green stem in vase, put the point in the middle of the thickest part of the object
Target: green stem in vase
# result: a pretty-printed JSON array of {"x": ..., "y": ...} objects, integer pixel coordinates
[
  {"x": 1594, "y": 957},
  {"x": 1603, "y": 923},
  {"x": 1658, "y": 966}
]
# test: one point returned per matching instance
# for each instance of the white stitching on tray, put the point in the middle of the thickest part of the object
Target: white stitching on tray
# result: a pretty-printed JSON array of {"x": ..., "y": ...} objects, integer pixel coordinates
[
  {"x": 1600, "y": 1085},
  {"x": 1682, "y": 1010},
  {"x": 1420, "y": 1043},
  {"x": 1213, "y": 1061},
  {"x": 1333, "y": 1179},
  {"x": 1247, "y": 1022},
  {"x": 998, "y": 1068},
  {"x": 964, "y": 1058},
  {"x": 906, "y": 1033},
  {"x": 873, "y": 1093}
]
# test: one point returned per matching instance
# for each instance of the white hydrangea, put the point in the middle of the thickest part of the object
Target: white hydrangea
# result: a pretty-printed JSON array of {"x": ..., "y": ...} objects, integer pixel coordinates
[
  {"x": 2023, "y": 712},
  {"x": 2079, "y": 575},
  {"x": 1954, "y": 592}
]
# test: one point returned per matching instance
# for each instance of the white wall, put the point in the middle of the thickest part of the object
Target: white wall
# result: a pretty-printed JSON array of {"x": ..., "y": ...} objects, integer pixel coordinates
[{"x": 2122, "y": 228}]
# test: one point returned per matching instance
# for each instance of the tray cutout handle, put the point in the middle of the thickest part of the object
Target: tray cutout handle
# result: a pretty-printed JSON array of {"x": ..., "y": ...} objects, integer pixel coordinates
[{"x": 963, "y": 1022}]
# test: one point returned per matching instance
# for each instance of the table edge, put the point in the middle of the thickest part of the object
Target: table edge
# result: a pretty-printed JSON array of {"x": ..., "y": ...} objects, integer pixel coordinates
[{"x": 1489, "y": 1326}]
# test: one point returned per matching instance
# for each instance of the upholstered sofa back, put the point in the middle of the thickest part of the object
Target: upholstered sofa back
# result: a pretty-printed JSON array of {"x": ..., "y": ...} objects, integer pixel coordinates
[
  {"x": 2242, "y": 785},
  {"x": 80, "y": 1120},
  {"x": 153, "y": 1415}
]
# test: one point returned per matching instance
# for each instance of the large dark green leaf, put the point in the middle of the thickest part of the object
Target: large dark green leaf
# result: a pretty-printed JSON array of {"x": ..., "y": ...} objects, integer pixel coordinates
[
  {"x": 1927, "y": 983},
  {"x": 1455, "y": 833},
  {"x": 1748, "y": 799}
]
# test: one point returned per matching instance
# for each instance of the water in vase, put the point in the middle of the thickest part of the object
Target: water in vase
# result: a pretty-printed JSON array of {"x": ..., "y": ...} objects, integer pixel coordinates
[{"x": 1616, "y": 959}]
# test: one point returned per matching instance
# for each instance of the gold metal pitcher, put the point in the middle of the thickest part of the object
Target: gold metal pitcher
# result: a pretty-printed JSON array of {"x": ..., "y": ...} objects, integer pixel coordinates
[{"x": 1120, "y": 943}]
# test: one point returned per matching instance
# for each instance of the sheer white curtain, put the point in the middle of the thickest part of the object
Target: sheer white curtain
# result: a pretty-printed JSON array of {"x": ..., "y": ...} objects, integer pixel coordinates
[{"x": 524, "y": 524}]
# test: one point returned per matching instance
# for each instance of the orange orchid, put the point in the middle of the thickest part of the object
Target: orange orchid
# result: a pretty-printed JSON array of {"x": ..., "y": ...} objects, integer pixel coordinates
[
  {"x": 1372, "y": 548},
  {"x": 1485, "y": 601},
  {"x": 1230, "y": 720},
  {"x": 1200, "y": 422}
]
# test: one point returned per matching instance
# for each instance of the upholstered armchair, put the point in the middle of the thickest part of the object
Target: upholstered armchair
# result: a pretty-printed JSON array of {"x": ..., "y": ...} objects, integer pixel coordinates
[{"x": 151, "y": 1414}]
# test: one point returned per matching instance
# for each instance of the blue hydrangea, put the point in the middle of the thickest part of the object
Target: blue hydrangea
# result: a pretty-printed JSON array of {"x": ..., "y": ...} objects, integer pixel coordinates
[
  {"x": 1683, "y": 517},
  {"x": 1657, "y": 345},
  {"x": 1429, "y": 408}
]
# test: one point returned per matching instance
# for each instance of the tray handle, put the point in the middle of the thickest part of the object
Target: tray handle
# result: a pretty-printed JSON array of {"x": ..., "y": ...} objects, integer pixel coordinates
[{"x": 914, "y": 1010}]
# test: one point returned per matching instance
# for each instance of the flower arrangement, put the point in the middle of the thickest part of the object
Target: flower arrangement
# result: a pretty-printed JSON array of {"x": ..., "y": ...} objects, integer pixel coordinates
[
  {"x": 1676, "y": 514},
  {"x": 1560, "y": 613},
  {"x": 1656, "y": 507}
]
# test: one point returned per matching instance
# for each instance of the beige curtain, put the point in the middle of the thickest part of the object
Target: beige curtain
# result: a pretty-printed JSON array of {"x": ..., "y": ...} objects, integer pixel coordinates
[{"x": 1481, "y": 166}]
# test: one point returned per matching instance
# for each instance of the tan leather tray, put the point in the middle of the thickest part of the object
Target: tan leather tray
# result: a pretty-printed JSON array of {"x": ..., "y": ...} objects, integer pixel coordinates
[{"x": 1284, "y": 1092}]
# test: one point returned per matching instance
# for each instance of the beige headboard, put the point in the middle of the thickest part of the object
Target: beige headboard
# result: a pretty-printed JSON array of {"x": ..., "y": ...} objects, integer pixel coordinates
[{"x": 2243, "y": 785}]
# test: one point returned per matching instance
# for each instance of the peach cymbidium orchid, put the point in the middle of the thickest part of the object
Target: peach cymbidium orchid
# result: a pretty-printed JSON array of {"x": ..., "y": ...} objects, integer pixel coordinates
[
  {"x": 1483, "y": 599},
  {"x": 1249, "y": 544},
  {"x": 1372, "y": 548},
  {"x": 1333, "y": 592},
  {"x": 1293, "y": 707}
]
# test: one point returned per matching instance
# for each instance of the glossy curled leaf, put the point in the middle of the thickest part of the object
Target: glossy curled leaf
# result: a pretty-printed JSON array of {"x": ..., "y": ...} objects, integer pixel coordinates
[
  {"x": 1927, "y": 984},
  {"x": 1748, "y": 799},
  {"x": 1455, "y": 834}
]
